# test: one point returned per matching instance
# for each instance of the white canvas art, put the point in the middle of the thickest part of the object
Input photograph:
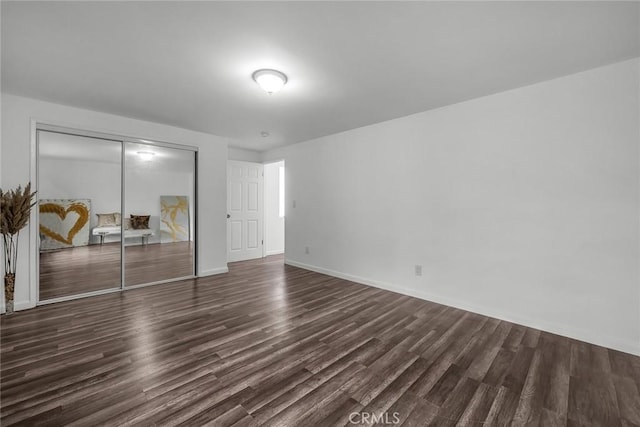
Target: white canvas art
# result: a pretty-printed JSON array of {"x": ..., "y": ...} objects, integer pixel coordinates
[
  {"x": 174, "y": 219},
  {"x": 64, "y": 223}
]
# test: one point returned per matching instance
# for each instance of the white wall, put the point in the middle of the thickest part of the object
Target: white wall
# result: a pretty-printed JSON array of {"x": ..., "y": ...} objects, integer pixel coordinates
[
  {"x": 522, "y": 205},
  {"x": 273, "y": 223},
  {"x": 16, "y": 163},
  {"x": 244, "y": 155}
]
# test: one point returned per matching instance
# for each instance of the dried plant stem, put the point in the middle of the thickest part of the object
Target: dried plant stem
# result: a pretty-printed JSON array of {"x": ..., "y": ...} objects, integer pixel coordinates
[{"x": 10, "y": 252}]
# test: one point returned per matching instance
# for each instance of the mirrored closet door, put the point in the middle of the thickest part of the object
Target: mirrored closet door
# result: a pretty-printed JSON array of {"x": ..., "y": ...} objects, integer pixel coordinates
[
  {"x": 113, "y": 213},
  {"x": 159, "y": 207},
  {"x": 79, "y": 195}
]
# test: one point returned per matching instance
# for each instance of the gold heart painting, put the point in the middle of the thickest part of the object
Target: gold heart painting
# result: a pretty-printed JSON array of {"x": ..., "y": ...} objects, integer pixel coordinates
[{"x": 64, "y": 223}]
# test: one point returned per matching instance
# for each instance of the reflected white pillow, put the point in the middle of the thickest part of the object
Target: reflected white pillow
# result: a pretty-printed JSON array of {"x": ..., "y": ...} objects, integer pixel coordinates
[{"x": 106, "y": 220}]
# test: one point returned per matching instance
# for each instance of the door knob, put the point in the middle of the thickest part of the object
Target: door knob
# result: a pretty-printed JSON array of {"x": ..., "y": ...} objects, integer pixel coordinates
[{"x": 228, "y": 216}]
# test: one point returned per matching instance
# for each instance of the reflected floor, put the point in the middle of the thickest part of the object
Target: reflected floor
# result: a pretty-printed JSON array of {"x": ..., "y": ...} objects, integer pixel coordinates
[{"x": 92, "y": 268}]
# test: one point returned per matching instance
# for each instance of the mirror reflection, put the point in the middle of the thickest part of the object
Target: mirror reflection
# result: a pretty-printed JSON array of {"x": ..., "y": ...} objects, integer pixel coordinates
[
  {"x": 159, "y": 221},
  {"x": 78, "y": 192}
]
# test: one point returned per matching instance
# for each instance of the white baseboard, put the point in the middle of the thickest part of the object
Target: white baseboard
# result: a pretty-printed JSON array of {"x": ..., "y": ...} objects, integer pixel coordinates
[
  {"x": 559, "y": 329},
  {"x": 23, "y": 305},
  {"x": 213, "y": 272},
  {"x": 276, "y": 252}
]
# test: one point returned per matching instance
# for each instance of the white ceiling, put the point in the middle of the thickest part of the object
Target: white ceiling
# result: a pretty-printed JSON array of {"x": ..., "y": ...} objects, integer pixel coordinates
[{"x": 349, "y": 64}]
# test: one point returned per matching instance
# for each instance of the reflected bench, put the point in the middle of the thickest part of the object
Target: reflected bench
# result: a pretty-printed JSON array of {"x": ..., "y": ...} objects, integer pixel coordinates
[{"x": 143, "y": 233}]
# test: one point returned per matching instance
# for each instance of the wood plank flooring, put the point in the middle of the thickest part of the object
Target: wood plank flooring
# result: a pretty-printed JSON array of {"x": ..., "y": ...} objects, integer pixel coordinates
[
  {"x": 74, "y": 271},
  {"x": 269, "y": 344}
]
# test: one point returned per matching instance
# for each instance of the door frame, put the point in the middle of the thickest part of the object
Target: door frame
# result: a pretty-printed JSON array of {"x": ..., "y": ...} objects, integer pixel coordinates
[{"x": 264, "y": 210}]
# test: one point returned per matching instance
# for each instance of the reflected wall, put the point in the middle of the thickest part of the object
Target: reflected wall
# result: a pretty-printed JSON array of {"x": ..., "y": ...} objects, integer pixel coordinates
[{"x": 79, "y": 187}]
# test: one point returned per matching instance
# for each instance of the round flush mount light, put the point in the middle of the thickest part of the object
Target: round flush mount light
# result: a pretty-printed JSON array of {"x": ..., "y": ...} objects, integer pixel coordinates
[
  {"x": 146, "y": 156},
  {"x": 264, "y": 134},
  {"x": 270, "y": 80}
]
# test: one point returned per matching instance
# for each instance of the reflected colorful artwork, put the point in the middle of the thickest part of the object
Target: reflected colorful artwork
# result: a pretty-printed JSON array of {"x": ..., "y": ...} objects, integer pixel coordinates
[
  {"x": 64, "y": 223},
  {"x": 174, "y": 219}
]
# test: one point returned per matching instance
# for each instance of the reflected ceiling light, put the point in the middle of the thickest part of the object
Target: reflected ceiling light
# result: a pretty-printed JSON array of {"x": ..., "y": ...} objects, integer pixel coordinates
[
  {"x": 147, "y": 156},
  {"x": 270, "y": 80}
]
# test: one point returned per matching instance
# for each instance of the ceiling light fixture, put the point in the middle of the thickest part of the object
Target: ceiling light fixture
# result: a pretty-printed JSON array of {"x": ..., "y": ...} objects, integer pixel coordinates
[
  {"x": 264, "y": 134},
  {"x": 270, "y": 80},
  {"x": 146, "y": 156}
]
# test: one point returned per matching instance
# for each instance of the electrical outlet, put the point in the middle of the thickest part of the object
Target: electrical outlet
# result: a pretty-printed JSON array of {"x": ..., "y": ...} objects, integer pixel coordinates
[
  {"x": 418, "y": 270},
  {"x": 306, "y": 250}
]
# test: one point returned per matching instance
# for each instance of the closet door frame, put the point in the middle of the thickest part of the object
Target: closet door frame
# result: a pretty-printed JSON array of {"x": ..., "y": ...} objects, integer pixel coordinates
[{"x": 34, "y": 220}]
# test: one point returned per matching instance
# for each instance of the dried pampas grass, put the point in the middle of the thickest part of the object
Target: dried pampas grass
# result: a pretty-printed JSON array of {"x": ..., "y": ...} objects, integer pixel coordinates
[{"x": 14, "y": 214}]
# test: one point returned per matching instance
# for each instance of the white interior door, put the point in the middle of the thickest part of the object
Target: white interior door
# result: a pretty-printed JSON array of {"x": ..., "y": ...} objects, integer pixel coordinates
[{"x": 244, "y": 208}]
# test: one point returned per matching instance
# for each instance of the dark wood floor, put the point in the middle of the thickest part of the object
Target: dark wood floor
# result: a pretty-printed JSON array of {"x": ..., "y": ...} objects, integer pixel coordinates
[
  {"x": 83, "y": 269},
  {"x": 269, "y": 344}
]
